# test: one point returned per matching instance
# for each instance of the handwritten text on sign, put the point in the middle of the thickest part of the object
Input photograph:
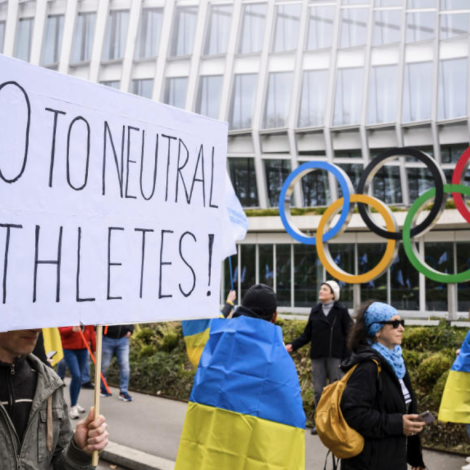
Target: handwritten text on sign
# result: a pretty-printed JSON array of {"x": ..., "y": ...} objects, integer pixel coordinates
[{"x": 111, "y": 205}]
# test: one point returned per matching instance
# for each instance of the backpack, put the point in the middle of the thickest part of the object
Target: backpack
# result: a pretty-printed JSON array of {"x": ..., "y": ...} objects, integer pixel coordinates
[{"x": 333, "y": 430}]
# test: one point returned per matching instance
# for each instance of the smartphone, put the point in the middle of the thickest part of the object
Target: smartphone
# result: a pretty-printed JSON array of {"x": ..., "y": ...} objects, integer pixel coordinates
[
  {"x": 427, "y": 417},
  {"x": 51, "y": 354}
]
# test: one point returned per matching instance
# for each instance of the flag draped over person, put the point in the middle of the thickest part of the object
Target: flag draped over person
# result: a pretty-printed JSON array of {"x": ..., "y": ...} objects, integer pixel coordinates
[
  {"x": 455, "y": 404},
  {"x": 245, "y": 410}
]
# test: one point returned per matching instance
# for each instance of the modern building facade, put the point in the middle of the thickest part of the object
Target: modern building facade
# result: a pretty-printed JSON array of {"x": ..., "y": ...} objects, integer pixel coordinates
[{"x": 338, "y": 81}]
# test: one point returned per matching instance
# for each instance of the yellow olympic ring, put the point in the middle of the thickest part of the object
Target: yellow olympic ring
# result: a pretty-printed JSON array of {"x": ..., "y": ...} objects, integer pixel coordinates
[{"x": 390, "y": 252}]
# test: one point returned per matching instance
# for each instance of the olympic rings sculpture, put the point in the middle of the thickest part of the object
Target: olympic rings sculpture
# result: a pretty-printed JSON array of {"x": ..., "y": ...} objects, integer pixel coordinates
[{"x": 350, "y": 198}]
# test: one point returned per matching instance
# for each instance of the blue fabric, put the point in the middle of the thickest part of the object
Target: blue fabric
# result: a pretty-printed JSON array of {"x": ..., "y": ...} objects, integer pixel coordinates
[
  {"x": 75, "y": 360},
  {"x": 120, "y": 349},
  {"x": 194, "y": 327},
  {"x": 375, "y": 312},
  {"x": 393, "y": 357},
  {"x": 245, "y": 368},
  {"x": 462, "y": 362},
  {"x": 61, "y": 369},
  {"x": 86, "y": 370}
]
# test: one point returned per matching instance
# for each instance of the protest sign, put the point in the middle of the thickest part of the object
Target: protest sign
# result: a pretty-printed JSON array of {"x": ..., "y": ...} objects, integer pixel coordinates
[{"x": 112, "y": 205}]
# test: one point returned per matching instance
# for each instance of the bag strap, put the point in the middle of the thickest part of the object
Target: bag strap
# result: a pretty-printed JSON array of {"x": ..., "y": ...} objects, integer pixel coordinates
[{"x": 335, "y": 462}]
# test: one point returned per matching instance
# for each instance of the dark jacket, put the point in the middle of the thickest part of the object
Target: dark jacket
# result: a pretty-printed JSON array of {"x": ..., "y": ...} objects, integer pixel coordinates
[
  {"x": 327, "y": 334},
  {"x": 46, "y": 414},
  {"x": 374, "y": 406},
  {"x": 227, "y": 309},
  {"x": 119, "y": 331}
]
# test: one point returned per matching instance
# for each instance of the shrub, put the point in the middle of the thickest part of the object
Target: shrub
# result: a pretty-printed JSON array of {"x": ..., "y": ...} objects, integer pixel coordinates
[{"x": 431, "y": 369}]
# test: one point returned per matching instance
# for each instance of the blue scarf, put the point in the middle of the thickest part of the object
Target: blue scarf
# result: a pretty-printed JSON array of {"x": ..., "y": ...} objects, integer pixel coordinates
[{"x": 393, "y": 357}]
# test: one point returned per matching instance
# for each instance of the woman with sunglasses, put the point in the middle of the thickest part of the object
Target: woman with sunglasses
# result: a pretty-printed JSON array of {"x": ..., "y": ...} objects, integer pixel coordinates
[{"x": 378, "y": 401}]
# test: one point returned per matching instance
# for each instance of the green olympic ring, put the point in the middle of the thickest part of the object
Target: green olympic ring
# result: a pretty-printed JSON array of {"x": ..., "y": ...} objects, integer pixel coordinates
[{"x": 410, "y": 248}]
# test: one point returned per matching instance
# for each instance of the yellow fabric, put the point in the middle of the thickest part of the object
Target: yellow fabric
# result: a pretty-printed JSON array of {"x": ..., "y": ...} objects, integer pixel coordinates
[
  {"x": 217, "y": 439},
  {"x": 52, "y": 342},
  {"x": 333, "y": 430},
  {"x": 455, "y": 404},
  {"x": 195, "y": 345}
]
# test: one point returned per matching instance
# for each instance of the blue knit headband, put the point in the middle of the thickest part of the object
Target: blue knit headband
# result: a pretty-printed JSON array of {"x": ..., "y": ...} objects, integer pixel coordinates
[{"x": 376, "y": 312}]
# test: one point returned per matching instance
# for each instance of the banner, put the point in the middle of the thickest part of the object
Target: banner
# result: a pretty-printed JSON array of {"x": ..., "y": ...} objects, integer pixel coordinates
[{"x": 112, "y": 205}]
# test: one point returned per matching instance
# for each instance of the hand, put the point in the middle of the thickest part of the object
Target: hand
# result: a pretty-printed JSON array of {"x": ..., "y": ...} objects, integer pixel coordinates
[
  {"x": 289, "y": 348},
  {"x": 128, "y": 334},
  {"x": 232, "y": 296},
  {"x": 411, "y": 426},
  {"x": 457, "y": 352},
  {"x": 91, "y": 434},
  {"x": 76, "y": 329}
]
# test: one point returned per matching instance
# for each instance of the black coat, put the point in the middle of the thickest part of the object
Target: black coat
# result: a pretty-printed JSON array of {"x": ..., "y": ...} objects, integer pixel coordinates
[
  {"x": 327, "y": 334},
  {"x": 119, "y": 331},
  {"x": 374, "y": 406}
]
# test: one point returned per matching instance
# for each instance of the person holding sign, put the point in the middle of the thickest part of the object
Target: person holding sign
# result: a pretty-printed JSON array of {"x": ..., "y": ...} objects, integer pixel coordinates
[{"x": 36, "y": 431}]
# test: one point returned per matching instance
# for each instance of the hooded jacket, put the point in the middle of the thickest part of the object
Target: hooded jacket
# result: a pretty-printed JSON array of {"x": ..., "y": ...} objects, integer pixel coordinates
[
  {"x": 373, "y": 405},
  {"x": 119, "y": 331},
  {"x": 47, "y": 435},
  {"x": 327, "y": 334},
  {"x": 74, "y": 340}
]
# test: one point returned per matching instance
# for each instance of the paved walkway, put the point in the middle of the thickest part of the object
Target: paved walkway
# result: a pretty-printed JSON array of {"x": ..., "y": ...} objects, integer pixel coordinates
[{"x": 153, "y": 425}]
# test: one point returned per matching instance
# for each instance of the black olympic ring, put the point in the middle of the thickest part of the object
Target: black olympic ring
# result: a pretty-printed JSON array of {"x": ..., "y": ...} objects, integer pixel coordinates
[{"x": 376, "y": 164}]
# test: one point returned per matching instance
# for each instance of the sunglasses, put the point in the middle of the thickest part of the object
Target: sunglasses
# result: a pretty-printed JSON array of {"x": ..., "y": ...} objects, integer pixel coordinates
[{"x": 394, "y": 323}]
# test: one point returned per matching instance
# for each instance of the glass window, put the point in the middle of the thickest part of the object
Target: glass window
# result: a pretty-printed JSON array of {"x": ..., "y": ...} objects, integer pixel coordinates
[
  {"x": 354, "y": 27},
  {"x": 277, "y": 172},
  {"x": 355, "y": 2},
  {"x": 404, "y": 283},
  {"x": 348, "y": 97},
  {"x": 184, "y": 29},
  {"x": 368, "y": 257},
  {"x": 208, "y": 98},
  {"x": 83, "y": 37},
  {"x": 149, "y": 33},
  {"x": 463, "y": 289},
  {"x": 316, "y": 189},
  {"x": 453, "y": 88},
  {"x": 230, "y": 277},
  {"x": 352, "y": 153},
  {"x": 387, "y": 185},
  {"x": 143, "y": 88},
  {"x": 413, "y": 4},
  {"x": 283, "y": 275},
  {"x": 419, "y": 181},
  {"x": 343, "y": 256},
  {"x": 387, "y": 27},
  {"x": 308, "y": 275},
  {"x": 116, "y": 84},
  {"x": 320, "y": 27},
  {"x": 252, "y": 32},
  {"x": 247, "y": 268},
  {"x": 218, "y": 30},
  {"x": 417, "y": 92},
  {"x": 175, "y": 92},
  {"x": 439, "y": 256},
  {"x": 286, "y": 31},
  {"x": 52, "y": 40},
  {"x": 278, "y": 100},
  {"x": 452, "y": 26},
  {"x": 2, "y": 35},
  {"x": 243, "y": 176},
  {"x": 24, "y": 36},
  {"x": 388, "y": 3},
  {"x": 354, "y": 171},
  {"x": 455, "y": 4},
  {"x": 419, "y": 26},
  {"x": 452, "y": 153},
  {"x": 243, "y": 101},
  {"x": 116, "y": 34},
  {"x": 314, "y": 95},
  {"x": 266, "y": 265},
  {"x": 383, "y": 94}
]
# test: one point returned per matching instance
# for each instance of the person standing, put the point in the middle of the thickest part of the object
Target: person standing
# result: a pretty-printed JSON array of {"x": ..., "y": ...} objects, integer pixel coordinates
[
  {"x": 75, "y": 355},
  {"x": 327, "y": 330},
  {"x": 116, "y": 343}
]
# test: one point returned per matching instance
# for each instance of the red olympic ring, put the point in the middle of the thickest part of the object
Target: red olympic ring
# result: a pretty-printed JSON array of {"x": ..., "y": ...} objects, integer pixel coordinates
[{"x": 458, "y": 178}]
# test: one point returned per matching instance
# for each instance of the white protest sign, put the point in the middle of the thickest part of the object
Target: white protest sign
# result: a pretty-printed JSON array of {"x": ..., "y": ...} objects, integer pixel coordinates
[{"x": 112, "y": 206}]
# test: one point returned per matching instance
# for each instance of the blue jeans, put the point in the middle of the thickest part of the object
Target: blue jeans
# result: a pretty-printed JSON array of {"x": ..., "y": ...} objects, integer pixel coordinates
[
  {"x": 75, "y": 360},
  {"x": 120, "y": 349},
  {"x": 61, "y": 369},
  {"x": 86, "y": 370}
]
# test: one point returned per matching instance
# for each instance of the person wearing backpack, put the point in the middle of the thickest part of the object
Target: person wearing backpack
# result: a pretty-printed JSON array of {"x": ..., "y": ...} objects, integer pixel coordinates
[
  {"x": 327, "y": 330},
  {"x": 380, "y": 403}
]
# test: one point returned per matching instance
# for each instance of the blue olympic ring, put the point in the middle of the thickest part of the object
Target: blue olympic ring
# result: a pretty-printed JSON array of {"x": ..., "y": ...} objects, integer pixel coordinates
[{"x": 288, "y": 187}]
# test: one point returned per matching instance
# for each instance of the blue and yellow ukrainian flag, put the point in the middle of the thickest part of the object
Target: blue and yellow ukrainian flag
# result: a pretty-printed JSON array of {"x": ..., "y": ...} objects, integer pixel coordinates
[
  {"x": 455, "y": 404},
  {"x": 245, "y": 410},
  {"x": 53, "y": 342},
  {"x": 196, "y": 335}
]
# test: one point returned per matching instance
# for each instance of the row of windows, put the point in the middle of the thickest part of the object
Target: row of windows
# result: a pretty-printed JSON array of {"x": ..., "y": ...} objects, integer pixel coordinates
[
  {"x": 353, "y": 32},
  {"x": 295, "y": 272},
  {"x": 387, "y": 185}
]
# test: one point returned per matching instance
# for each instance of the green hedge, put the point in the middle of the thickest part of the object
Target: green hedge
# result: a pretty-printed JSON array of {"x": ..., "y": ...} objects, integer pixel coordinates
[{"x": 159, "y": 366}]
